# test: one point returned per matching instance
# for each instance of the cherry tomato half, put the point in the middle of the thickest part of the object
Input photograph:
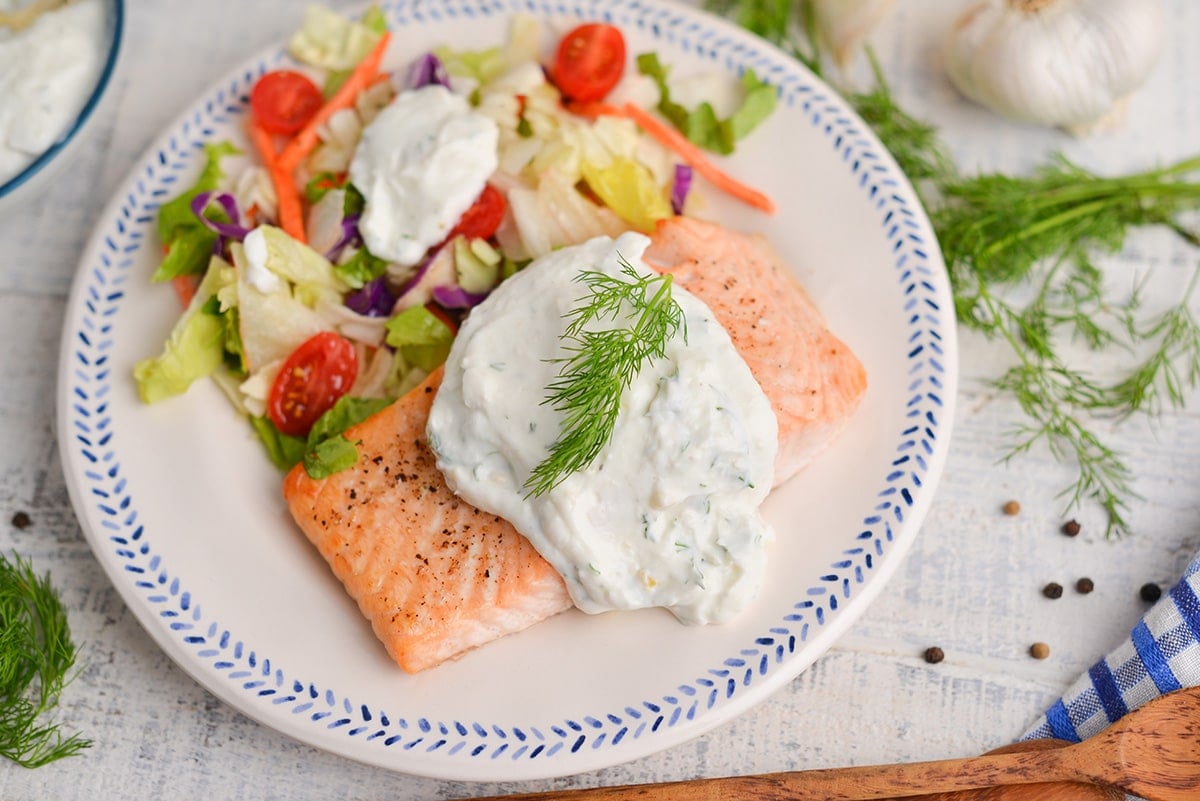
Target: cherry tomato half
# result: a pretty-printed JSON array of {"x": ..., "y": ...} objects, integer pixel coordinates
[
  {"x": 589, "y": 62},
  {"x": 283, "y": 101},
  {"x": 310, "y": 381},
  {"x": 484, "y": 216}
]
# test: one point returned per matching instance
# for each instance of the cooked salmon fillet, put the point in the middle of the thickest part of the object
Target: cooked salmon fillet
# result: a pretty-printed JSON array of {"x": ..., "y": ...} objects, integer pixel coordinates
[
  {"x": 434, "y": 575},
  {"x": 813, "y": 380},
  {"x": 437, "y": 577}
]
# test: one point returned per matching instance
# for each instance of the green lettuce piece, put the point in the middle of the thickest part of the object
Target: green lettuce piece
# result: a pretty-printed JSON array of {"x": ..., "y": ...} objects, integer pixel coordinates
[
  {"x": 329, "y": 451},
  {"x": 187, "y": 254},
  {"x": 628, "y": 188},
  {"x": 284, "y": 451},
  {"x": 346, "y": 412},
  {"x": 235, "y": 354},
  {"x": 188, "y": 241},
  {"x": 758, "y": 104},
  {"x": 420, "y": 337},
  {"x": 375, "y": 19},
  {"x": 702, "y": 126},
  {"x": 326, "y": 450},
  {"x": 480, "y": 65},
  {"x": 330, "y": 456},
  {"x": 175, "y": 216},
  {"x": 322, "y": 183},
  {"x": 360, "y": 269},
  {"x": 328, "y": 40},
  {"x": 196, "y": 345}
]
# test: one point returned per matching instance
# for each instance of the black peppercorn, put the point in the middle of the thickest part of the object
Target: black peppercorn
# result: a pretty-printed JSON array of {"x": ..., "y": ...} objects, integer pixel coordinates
[
  {"x": 1150, "y": 592},
  {"x": 1052, "y": 590},
  {"x": 1071, "y": 528},
  {"x": 1085, "y": 585},
  {"x": 21, "y": 520},
  {"x": 933, "y": 655}
]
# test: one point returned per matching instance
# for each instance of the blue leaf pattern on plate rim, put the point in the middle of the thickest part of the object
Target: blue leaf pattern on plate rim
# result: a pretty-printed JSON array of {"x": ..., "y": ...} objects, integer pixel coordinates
[{"x": 89, "y": 446}]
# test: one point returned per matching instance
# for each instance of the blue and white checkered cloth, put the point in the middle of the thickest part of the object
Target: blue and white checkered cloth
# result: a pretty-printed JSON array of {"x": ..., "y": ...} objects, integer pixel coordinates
[{"x": 1162, "y": 654}]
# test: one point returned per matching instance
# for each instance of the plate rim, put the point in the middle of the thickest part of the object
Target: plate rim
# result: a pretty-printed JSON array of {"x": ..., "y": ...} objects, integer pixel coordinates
[{"x": 101, "y": 247}]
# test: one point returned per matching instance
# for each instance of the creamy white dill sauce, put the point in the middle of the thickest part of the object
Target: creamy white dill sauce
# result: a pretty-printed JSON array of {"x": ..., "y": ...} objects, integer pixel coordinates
[
  {"x": 47, "y": 73},
  {"x": 258, "y": 274},
  {"x": 668, "y": 515},
  {"x": 420, "y": 164}
]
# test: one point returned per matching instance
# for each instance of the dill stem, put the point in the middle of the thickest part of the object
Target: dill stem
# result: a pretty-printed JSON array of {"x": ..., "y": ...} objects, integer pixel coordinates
[
  {"x": 1043, "y": 225},
  {"x": 1186, "y": 165},
  {"x": 664, "y": 288}
]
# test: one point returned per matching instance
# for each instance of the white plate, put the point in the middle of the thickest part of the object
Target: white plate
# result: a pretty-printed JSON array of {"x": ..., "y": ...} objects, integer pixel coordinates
[{"x": 184, "y": 512}]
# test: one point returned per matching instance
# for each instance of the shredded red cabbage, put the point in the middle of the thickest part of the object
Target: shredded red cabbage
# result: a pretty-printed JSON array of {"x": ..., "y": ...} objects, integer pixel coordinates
[
  {"x": 417, "y": 275},
  {"x": 373, "y": 300},
  {"x": 350, "y": 237},
  {"x": 455, "y": 297},
  {"x": 426, "y": 70},
  {"x": 230, "y": 230},
  {"x": 680, "y": 187}
]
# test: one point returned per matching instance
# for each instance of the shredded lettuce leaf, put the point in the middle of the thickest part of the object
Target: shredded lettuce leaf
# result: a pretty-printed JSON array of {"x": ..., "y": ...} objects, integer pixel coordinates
[
  {"x": 328, "y": 40},
  {"x": 196, "y": 346},
  {"x": 189, "y": 242},
  {"x": 326, "y": 450},
  {"x": 311, "y": 275},
  {"x": 186, "y": 254},
  {"x": 329, "y": 451},
  {"x": 420, "y": 337},
  {"x": 628, "y": 188},
  {"x": 284, "y": 451},
  {"x": 176, "y": 215},
  {"x": 360, "y": 269},
  {"x": 481, "y": 66},
  {"x": 701, "y": 125}
]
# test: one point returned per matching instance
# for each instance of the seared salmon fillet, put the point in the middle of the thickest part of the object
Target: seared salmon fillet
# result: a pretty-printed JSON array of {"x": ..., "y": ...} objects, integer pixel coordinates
[
  {"x": 434, "y": 575},
  {"x": 437, "y": 577},
  {"x": 813, "y": 380}
]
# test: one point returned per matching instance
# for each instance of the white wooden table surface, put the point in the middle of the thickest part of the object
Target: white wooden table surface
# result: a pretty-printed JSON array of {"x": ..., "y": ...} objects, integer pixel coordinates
[{"x": 971, "y": 584}]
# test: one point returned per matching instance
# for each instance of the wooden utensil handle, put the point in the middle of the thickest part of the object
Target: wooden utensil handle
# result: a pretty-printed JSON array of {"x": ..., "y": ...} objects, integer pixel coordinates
[{"x": 842, "y": 784}]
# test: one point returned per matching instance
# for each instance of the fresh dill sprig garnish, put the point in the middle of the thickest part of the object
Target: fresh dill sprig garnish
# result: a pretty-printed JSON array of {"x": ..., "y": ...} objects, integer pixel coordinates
[
  {"x": 1007, "y": 235},
  {"x": 36, "y": 658},
  {"x": 603, "y": 362},
  {"x": 999, "y": 226}
]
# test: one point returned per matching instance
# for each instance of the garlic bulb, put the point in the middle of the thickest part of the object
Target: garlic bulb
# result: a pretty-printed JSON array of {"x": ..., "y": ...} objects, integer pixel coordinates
[
  {"x": 843, "y": 25},
  {"x": 1069, "y": 63}
]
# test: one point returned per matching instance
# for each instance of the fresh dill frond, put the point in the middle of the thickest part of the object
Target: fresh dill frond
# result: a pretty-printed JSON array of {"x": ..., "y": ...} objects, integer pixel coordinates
[
  {"x": 1172, "y": 368},
  {"x": 1056, "y": 399},
  {"x": 36, "y": 658},
  {"x": 1007, "y": 236},
  {"x": 603, "y": 363},
  {"x": 1000, "y": 226}
]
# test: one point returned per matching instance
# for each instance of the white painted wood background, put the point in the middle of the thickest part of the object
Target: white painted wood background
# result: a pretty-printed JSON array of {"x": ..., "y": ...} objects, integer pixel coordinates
[{"x": 970, "y": 585}]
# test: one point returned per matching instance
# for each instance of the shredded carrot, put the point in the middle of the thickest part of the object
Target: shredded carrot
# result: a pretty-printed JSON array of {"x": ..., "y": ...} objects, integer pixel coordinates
[
  {"x": 673, "y": 140},
  {"x": 185, "y": 287},
  {"x": 364, "y": 75},
  {"x": 291, "y": 215}
]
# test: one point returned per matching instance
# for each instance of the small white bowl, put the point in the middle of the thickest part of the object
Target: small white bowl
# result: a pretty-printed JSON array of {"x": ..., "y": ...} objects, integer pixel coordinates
[{"x": 37, "y": 174}]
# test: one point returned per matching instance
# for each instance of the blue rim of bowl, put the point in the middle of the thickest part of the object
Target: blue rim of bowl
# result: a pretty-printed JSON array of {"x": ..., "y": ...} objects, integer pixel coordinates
[{"x": 110, "y": 64}]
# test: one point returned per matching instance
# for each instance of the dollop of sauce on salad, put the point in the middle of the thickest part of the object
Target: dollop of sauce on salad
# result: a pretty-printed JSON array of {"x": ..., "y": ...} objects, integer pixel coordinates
[
  {"x": 668, "y": 513},
  {"x": 420, "y": 164},
  {"x": 47, "y": 72}
]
